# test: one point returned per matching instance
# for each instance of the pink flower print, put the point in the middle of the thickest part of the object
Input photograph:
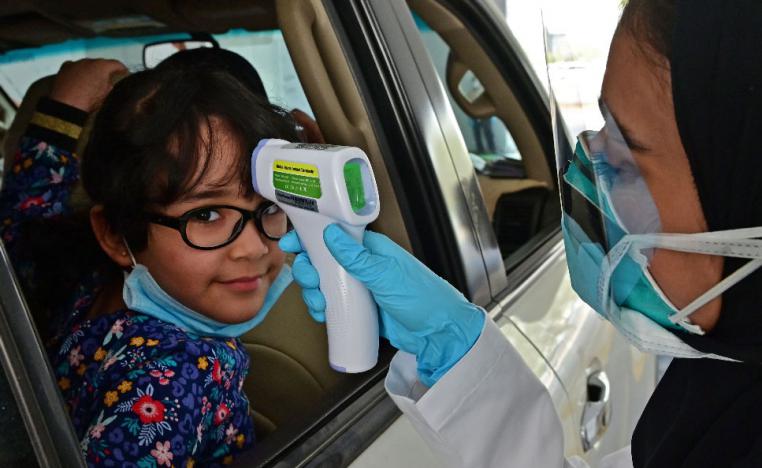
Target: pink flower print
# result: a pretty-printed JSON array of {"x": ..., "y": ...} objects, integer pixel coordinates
[
  {"x": 75, "y": 357},
  {"x": 110, "y": 361},
  {"x": 230, "y": 434},
  {"x": 206, "y": 405},
  {"x": 162, "y": 453},
  {"x": 97, "y": 430},
  {"x": 163, "y": 376},
  {"x": 56, "y": 177}
]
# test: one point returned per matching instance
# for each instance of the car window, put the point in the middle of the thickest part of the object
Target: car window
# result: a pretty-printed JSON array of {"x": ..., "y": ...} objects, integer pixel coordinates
[
  {"x": 266, "y": 50},
  {"x": 15, "y": 449},
  {"x": 518, "y": 197},
  {"x": 487, "y": 139}
]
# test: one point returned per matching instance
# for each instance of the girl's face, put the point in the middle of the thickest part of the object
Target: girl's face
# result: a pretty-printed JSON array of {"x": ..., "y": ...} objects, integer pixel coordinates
[
  {"x": 638, "y": 92},
  {"x": 227, "y": 284}
]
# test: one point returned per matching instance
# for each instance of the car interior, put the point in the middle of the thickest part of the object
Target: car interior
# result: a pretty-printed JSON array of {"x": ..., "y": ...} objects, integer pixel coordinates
[
  {"x": 519, "y": 202},
  {"x": 291, "y": 386}
]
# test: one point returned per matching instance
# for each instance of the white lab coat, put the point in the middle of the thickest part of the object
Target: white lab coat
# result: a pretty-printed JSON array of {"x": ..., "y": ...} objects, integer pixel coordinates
[{"x": 488, "y": 411}]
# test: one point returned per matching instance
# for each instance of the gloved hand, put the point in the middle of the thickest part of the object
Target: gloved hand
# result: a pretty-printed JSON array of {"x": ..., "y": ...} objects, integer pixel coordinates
[{"x": 420, "y": 313}]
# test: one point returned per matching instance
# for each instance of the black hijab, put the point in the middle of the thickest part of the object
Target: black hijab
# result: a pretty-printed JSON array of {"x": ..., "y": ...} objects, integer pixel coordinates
[{"x": 705, "y": 412}]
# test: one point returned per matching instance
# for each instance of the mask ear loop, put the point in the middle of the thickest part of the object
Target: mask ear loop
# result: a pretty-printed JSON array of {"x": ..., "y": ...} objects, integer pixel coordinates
[
  {"x": 710, "y": 244},
  {"x": 129, "y": 251},
  {"x": 715, "y": 291}
]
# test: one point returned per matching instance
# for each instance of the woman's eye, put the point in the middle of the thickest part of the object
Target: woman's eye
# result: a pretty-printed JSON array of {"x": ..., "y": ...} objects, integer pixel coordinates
[{"x": 206, "y": 215}]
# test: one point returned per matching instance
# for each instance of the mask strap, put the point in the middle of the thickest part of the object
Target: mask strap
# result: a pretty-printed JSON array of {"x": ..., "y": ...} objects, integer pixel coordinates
[
  {"x": 129, "y": 251},
  {"x": 720, "y": 245},
  {"x": 715, "y": 291}
]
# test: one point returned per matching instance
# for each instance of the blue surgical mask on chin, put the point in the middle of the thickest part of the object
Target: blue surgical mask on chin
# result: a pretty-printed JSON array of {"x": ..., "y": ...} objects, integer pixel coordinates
[{"x": 143, "y": 294}]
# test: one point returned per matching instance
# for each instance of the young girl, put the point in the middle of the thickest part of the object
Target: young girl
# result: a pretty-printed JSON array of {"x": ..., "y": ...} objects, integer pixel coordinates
[{"x": 171, "y": 272}]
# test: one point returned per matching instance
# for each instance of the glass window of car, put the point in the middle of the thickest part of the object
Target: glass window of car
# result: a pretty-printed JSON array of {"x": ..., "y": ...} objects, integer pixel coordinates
[
  {"x": 265, "y": 50},
  {"x": 518, "y": 197}
]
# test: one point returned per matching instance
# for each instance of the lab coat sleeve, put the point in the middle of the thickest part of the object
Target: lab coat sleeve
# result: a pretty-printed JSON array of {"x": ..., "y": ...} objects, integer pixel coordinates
[{"x": 488, "y": 411}]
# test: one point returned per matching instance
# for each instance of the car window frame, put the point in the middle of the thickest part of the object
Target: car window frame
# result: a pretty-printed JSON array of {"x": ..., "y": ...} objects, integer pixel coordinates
[
  {"x": 484, "y": 22},
  {"x": 31, "y": 378}
]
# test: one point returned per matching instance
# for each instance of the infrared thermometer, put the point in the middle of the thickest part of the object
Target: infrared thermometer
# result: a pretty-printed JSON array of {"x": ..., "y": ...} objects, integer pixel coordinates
[{"x": 316, "y": 185}]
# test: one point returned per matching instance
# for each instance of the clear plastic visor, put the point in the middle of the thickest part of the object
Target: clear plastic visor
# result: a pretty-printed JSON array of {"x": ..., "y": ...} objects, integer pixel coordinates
[{"x": 602, "y": 188}]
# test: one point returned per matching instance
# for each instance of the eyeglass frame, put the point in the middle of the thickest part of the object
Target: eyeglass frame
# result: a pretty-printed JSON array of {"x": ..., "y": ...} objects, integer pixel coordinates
[{"x": 179, "y": 223}]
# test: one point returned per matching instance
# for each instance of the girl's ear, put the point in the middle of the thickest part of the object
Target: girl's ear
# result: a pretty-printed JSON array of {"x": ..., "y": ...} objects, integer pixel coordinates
[{"x": 111, "y": 243}]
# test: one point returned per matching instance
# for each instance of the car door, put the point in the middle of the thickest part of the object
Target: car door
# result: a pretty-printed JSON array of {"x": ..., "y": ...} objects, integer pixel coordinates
[{"x": 598, "y": 382}]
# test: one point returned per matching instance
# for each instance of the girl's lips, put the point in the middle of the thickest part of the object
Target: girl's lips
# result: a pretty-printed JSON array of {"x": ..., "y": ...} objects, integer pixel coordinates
[{"x": 243, "y": 284}]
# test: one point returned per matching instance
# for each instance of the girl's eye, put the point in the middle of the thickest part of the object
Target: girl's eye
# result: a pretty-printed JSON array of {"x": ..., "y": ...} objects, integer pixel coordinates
[{"x": 206, "y": 215}]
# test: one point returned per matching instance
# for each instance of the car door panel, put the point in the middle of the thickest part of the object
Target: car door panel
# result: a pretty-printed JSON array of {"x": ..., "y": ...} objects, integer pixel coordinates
[
  {"x": 401, "y": 446},
  {"x": 577, "y": 342}
]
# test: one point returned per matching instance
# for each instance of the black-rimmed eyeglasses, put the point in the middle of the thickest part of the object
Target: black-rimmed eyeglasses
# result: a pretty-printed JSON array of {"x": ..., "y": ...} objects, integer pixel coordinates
[{"x": 212, "y": 227}]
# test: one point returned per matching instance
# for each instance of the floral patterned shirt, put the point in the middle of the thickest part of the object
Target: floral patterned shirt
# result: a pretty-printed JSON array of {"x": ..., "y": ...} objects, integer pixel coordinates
[{"x": 140, "y": 392}]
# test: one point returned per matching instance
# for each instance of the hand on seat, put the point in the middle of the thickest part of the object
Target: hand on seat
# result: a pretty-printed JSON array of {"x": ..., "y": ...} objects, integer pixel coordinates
[
  {"x": 85, "y": 83},
  {"x": 420, "y": 313}
]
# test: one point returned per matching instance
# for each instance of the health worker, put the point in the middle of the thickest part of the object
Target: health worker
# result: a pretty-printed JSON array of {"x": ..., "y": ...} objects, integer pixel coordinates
[{"x": 662, "y": 219}]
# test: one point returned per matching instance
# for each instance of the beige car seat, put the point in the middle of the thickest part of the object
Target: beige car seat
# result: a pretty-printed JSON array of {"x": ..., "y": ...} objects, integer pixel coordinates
[{"x": 289, "y": 371}]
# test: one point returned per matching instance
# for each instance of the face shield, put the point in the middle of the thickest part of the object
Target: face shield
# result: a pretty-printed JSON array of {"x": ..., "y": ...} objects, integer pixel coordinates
[{"x": 606, "y": 203}]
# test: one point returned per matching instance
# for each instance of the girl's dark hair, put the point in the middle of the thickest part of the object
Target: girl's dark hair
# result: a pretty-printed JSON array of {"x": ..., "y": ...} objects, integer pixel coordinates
[
  {"x": 153, "y": 140},
  {"x": 650, "y": 22}
]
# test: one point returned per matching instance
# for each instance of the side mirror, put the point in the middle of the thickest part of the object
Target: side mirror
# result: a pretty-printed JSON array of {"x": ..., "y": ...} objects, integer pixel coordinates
[{"x": 154, "y": 53}]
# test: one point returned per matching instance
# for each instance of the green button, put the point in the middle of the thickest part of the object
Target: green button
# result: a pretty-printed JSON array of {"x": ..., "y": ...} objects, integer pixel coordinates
[{"x": 355, "y": 189}]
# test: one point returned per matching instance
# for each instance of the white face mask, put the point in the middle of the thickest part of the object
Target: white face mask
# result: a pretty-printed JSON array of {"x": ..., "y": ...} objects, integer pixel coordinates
[
  {"x": 143, "y": 294},
  {"x": 637, "y": 327}
]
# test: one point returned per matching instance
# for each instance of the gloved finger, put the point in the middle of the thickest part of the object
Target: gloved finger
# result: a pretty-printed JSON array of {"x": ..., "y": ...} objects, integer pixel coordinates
[
  {"x": 290, "y": 242},
  {"x": 304, "y": 273},
  {"x": 379, "y": 244},
  {"x": 370, "y": 269},
  {"x": 315, "y": 302}
]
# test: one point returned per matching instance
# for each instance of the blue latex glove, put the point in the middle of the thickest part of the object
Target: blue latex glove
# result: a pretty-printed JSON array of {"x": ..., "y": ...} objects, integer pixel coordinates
[{"x": 420, "y": 313}]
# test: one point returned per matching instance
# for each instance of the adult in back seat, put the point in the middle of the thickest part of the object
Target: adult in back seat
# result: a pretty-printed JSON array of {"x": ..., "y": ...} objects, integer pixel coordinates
[{"x": 244, "y": 71}]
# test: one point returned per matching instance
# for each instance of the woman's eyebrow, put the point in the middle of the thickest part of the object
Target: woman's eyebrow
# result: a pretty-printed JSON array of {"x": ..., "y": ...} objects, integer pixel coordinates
[{"x": 632, "y": 142}]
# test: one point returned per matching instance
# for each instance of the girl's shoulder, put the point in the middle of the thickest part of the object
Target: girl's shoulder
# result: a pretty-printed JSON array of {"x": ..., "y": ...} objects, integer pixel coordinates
[
  {"x": 126, "y": 331},
  {"x": 145, "y": 378}
]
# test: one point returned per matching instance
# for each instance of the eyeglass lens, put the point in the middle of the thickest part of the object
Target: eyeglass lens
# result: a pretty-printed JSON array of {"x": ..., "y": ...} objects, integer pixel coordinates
[{"x": 210, "y": 227}]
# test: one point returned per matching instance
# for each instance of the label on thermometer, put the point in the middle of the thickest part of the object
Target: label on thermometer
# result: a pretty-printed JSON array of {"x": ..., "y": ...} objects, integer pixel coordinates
[{"x": 296, "y": 184}]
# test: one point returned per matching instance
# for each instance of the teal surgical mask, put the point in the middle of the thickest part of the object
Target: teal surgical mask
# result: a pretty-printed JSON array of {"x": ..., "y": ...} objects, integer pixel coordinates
[{"x": 143, "y": 294}]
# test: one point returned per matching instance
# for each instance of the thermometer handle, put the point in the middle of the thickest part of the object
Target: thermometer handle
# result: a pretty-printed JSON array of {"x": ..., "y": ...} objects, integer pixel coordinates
[{"x": 351, "y": 314}]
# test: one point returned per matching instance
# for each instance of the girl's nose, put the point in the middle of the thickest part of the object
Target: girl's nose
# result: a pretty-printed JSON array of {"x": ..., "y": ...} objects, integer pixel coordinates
[{"x": 250, "y": 243}]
